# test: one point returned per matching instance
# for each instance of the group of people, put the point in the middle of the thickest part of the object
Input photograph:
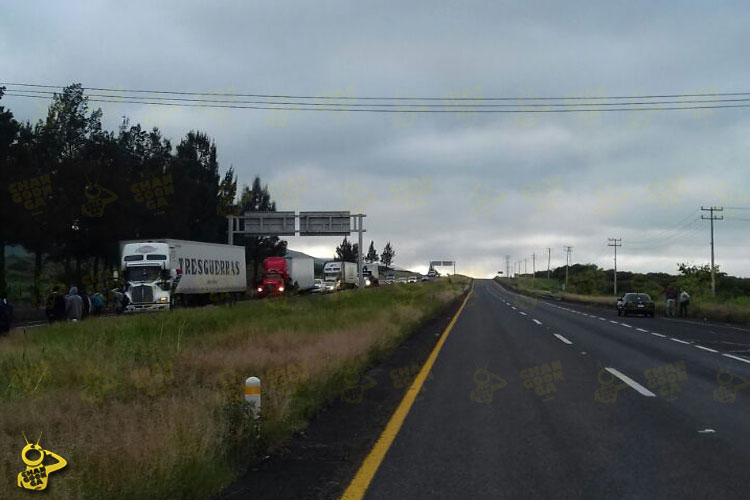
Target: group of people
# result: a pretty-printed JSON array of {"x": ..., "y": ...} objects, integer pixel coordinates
[
  {"x": 676, "y": 296},
  {"x": 75, "y": 305}
]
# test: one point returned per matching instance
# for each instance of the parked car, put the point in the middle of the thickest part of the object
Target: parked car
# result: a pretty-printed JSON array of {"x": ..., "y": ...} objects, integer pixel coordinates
[
  {"x": 412, "y": 279},
  {"x": 318, "y": 286},
  {"x": 389, "y": 280},
  {"x": 635, "y": 303},
  {"x": 329, "y": 286},
  {"x": 402, "y": 280}
]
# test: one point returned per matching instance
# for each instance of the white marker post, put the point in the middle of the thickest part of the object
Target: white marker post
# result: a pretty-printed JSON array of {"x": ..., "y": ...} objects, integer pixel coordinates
[{"x": 252, "y": 393}]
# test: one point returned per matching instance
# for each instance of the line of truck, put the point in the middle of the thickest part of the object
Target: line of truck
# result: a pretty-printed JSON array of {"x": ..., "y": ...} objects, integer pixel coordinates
[{"x": 158, "y": 274}]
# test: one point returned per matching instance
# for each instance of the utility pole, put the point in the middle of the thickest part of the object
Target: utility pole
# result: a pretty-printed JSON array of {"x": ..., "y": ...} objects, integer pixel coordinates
[
  {"x": 524, "y": 267},
  {"x": 568, "y": 249},
  {"x": 615, "y": 242},
  {"x": 507, "y": 266},
  {"x": 549, "y": 258},
  {"x": 712, "y": 218},
  {"x": 533, "y": 264}
]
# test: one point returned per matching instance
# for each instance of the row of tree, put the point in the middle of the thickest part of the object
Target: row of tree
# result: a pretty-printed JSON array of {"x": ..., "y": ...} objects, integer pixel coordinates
[
  {"x": 349, "y": 252},
  {"x": 72, "y": 190},
  {"x": 589, "y": 279}
]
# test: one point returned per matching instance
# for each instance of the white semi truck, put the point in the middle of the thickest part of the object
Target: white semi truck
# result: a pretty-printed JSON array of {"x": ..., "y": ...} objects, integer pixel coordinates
[
  {"x": 160, "y": 273},
  {"x": 344, "y": 274}
]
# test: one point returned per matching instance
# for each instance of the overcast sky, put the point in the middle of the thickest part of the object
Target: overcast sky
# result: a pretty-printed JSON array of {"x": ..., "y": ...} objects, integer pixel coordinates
[{"x": 468, "y": 187}]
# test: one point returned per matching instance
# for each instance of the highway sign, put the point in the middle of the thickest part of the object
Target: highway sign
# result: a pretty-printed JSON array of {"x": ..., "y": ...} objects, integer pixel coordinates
[
  {"x": 267, "y": 223},
  {"x": 324, "y": 224}
]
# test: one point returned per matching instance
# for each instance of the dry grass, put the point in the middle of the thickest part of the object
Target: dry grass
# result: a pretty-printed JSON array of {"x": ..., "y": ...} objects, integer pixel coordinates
[{"x": 150, "y": 406}]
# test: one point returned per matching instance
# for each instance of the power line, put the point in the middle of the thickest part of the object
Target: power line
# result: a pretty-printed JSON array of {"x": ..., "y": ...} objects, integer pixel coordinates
[
  {"x": 49, "y": 94},
  {"x": 462, "y": 109},
  {"x": 140, "y": 91}
]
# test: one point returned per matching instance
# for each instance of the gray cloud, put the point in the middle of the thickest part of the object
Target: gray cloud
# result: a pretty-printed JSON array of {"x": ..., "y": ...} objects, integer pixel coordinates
[{"x": 470, "y": 187}]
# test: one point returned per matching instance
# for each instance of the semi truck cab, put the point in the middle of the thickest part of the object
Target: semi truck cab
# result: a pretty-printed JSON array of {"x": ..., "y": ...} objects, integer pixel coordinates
[{"x": 149, "y": 275}]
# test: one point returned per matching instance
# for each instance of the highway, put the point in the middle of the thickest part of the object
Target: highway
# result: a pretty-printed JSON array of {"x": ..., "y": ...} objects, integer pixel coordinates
[{"x": 542, "y": 399}]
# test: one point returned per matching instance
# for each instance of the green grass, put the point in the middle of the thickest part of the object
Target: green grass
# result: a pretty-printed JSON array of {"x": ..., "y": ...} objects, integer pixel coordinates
[{"x": 151, "y": 406}]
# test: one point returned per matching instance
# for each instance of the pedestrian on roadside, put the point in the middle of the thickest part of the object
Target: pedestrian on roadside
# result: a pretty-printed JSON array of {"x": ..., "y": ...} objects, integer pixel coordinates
[
  {"x": 97, "y": 304},
  {"x": 6, "y": 315},
  {"x": 86, "y": 302},
  {"x": 73, "y": 305},
  {"x": 52, "y": 308},
  {"x": 684, "y": 301},
  {"x": 672, "y": 294}
]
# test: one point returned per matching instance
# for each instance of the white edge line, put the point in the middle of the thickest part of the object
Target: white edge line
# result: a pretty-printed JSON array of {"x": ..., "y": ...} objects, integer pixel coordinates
[
  {"x": 737, "y": 358},
  {"x": 513, "y": 307},
  {"x": 536, "y": 321},
  {"x": 615, "y": 322},
  {"x": 626, "y": 325},
  {"x": 563, "y": 339},
  {"x": 632, "y": 383},
  {"x": 683, "y": 342},
  {"x": 706, "y": 348},
  {"x": 523, "y": 313},
  {"x": 642, "y": 330},
  {"x": 657, "y": 334},
  {"x": 603, "y": 319}
]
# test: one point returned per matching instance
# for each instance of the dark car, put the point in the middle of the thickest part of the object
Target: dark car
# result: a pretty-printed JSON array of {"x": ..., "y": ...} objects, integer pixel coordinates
[{"x": 635, "y": 303}]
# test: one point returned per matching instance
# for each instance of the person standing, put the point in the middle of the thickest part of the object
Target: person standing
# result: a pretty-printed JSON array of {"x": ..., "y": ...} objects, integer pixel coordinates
[
  {"x": 684, "y": 301},
  {"x": 73, "y": 305},
  {"x": 672, "y": 294},
  {"x": 6, "y": 315}
]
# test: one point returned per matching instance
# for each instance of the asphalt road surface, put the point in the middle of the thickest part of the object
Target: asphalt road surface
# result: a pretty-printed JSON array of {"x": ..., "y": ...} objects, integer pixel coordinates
[{"x": 537, "y": 399}]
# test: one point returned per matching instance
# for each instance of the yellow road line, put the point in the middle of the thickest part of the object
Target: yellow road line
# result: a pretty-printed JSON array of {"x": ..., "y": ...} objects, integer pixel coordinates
[{"x": 366, "y": 472}]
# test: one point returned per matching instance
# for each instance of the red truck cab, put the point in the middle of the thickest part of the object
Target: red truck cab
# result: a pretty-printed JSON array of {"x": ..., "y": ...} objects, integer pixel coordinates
[{"x": 275, "y": 277}]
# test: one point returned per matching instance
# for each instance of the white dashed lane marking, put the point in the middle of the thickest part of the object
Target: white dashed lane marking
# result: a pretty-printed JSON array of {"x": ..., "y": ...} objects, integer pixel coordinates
[
  {"x": 706, "y": 349},
  {"x": 563, "y": 339},
  {"x": 737, "y": 358},
  {"x": 536, "y": 321},
  {"x": 632, "y": 383}
]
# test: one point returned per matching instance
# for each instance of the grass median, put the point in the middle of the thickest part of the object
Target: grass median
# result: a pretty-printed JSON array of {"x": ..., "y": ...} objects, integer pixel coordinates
[{"x": 151, "y": 406}]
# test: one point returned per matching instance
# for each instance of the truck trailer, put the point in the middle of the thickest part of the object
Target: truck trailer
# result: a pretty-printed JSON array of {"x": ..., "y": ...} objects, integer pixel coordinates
[
  {"x": 160, "y": 273},
  {"x": 344, "y": 274},
  {"x": 285, "y": 274}
]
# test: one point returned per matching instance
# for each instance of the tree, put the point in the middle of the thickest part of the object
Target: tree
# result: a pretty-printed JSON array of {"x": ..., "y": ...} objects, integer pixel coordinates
[
  {"x": 257, "y": 248},
  {"x": 346, "y": 251},
  {"x": 388, "y": 255},
  {"x": 372, "y": 254},
  {"x": 8, "y": 134}
]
